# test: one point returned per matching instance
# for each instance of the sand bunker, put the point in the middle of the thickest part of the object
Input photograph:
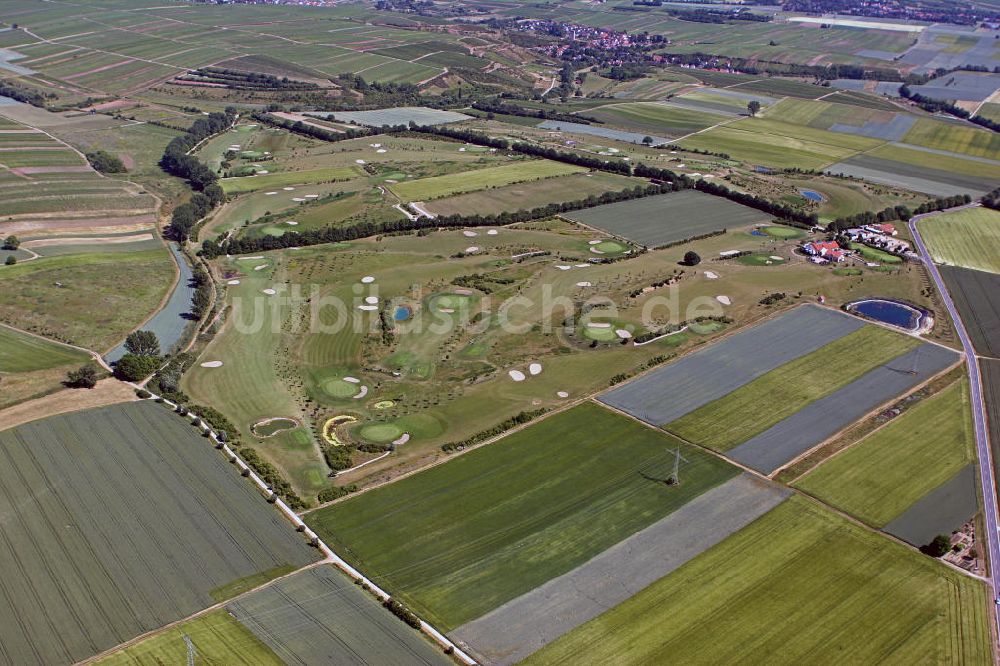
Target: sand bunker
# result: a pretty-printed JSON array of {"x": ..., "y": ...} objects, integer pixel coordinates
[
  {"x": 582, "y": 265},
  {"x": 368, "y": 279},
  {"x": 291, "y": 223},
  {"x": 352, "y": 380},
  {"x": 516, "y": 375},
  {"x": 623, "y": 334},
  {"x": 233, "y": 282},
  {"x": 288, "y": 189},
  {"x": 267, "y": 194},
  {"x": 371, "y": 300},
  {"x": 446, "y": 310},
  {"x": 375, "y": 145},
  {"x": 584, "y": 284},
  {"x": 362, "y": 393},
  {"x": 563, "y": 267},
  {"x": 775, "y": 257},
  {"x": 359, "y": 161},
  {"x": 404, "y": 438},
  {"x": 262, "y": 172},
  {"x": 472, "y": 249},
  {"x": 492, "y": 232},
  {"x": 595, "y": 242},
  {"x": 599, "y": 324},
  {"x": 464, "y": 292},
  {"x": 724, "y": 300},
  {"x": 535, "y": 368},
  {"x": 260, "y": 268},
  {"x": 312, "y": 196},
  {"x": 470, "y": 234},
  {"x": 380, "y": 150},
  {"x": 212, "y": 364},
  {"x": 298, "y": 199},
  {"x": 270, "y": 292},
  {"x": 711, "y": 276},
  {"x": 562, "y": 394},
  {"x": 259, "y": 256},
  {"x": 368, "y": 308}
]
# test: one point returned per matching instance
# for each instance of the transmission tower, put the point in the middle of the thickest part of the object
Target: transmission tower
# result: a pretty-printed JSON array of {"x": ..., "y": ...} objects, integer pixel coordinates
[{"x": 675, "y": 477}]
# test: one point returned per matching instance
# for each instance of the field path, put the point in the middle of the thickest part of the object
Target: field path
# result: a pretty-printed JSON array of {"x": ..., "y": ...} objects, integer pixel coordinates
[{"x": 986, "y": 478}]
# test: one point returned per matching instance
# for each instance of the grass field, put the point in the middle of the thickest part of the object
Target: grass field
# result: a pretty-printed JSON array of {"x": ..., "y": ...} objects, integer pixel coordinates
[
  {"x": 967, "y": 238},
  {"x": 800, "y": 584},
  {"x": 875, "y": 254},
  {"x": 955, "y": 138},
  {"x": 755, "y": 407},
  {"x": 655, "y": 119},
  {"x": 460, "y": 539},
  {"x": 285, "y": 178},
  {"x": 424, "y": 189},
  {"x": 877, "y": 479},
  {"x": 949, "y": 163},
  {"x": 25, "y": 353}
]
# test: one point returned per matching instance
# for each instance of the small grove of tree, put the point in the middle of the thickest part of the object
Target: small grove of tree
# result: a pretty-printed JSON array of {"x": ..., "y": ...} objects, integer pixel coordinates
[
  {"x": 691, "y": 258},
  {"x": 992, "y": 199},
  {"x": 134, "y": 368},
  {"x": 11, "y": 242},
  {"x": 83, "y": 377},
  {"x": 938, "y": 547},
  {"x": 105, "y": 162},
  {"x": 753, "y": 107},
  {"x": 10, "y": 260},
  {"x": 187, "y": 215},
  {"x": 142, "y": 343}
]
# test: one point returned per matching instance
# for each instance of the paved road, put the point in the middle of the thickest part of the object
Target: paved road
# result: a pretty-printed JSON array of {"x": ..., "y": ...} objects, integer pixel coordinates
[{"x": 978, "y": 413}]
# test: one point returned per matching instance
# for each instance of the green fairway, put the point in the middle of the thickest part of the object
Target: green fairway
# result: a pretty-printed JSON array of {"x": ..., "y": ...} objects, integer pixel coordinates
[
  {"x": 877, "y": 479},
  {"x": 460, "y": 539},
  {"x": 20, "y": 352},
  {"x": 968, "y": 238},
  {"x": 799, "y": 585},
  {"x": 755, "y": 407},
  {"x": 217, "y": 637},
  {"x": 424, "y": 189},
  {"x": 284, "y": 178},
  {"x": 783, "y": 232}
]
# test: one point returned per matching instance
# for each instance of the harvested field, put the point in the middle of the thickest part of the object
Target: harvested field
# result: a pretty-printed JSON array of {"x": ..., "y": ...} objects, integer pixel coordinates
[
  {"x": 600, "y": 131},
  {"x": 966, "y": 238},
  {"x": 460, "y": 539},
  {"x": 657, "y": 118},
  {"x": 668, "y": 218},
  {"x": 320, "y": 616},
  {"x": 532, "y": 621},
  {"x": 941, "y": 511},
  {"x": 403, "y": 115},
  {"x": 716, "y": 370},
  {"x": 879, "y": 478},
  {"x": 975, "y": 296},
  {"x": 801, "y": 584},
  {"x": 149, "y": 501},
  {"x": 912, "y": 176},
  {"x": 424, "y": 189},
  {"x": 823, "y": 418},
  {"x": 759, "y": 405}
]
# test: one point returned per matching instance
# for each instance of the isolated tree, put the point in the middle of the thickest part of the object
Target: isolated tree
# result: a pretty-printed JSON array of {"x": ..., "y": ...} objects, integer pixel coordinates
[
  {"x": 83, "y": 377},
  {"x": 938, "y": 547},
  {"x": 142, "y": 343},
  {"x": 753, "y": 106},
  {"x": 647, "y": 140},
  {"x": 11, "y": 260},
  {"x": 691, "y": 258},
  {"x": 11, "y": 242}
]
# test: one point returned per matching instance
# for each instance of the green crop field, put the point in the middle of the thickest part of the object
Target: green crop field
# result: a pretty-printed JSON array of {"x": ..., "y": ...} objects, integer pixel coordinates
[
  {"x": 755, "y": 407},
  {"x": 880, "y": 477},
  {"x": 655, "y": 118},
  {"x": 460, "y": 539},
  {"x": 801, "y": 584},
  {"x": 968, "y": 238},
  {"x": 424, "y": 189},
  {"x": 949, "y": 163},
  {"x": 24, "y": 353},
  {"x": 285, "y": 178},
  {"x": 954, "y": 137}
]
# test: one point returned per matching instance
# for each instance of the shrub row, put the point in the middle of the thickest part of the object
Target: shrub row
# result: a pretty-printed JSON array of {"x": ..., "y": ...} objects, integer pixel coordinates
[
  {"x": 503, "y": 426},
  {"x": 272, "y": 477}
]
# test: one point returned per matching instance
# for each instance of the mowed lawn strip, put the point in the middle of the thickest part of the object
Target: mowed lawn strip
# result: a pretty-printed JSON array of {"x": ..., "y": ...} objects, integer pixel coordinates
[
  {"x": 968, "y": 238},
  {"x": 283, "y": 178},
  {"x": 799, "y": 585},
  {"x": 462, "y": 538},
  {"x": 755, "y": 407},
  {"x": 877, "y": 479},
  {"x": 20, "y": 352},
  {"x": 424, "y": 189}
]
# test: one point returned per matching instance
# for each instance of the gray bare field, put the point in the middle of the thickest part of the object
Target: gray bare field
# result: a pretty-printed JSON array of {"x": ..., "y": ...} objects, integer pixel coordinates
[
  {"x": 941, "y": 511},
  {"x": 669, "y": 393},
  {"x": 893, "y": 130},
  {"x": 421, "y": 115},
  {"x": 320, "y": 616},
  {"x": 602, "y": 132},
  {"x": 963, "y": 86},
  {"x": 117, "y": 521},
  {"x": 668, "y": 218},
  {"x": 975, "y": 296},
  {"x": 825, "y": 417},
  {"x": 911, "y": 176},
  {"x": 528, "y": 623}
]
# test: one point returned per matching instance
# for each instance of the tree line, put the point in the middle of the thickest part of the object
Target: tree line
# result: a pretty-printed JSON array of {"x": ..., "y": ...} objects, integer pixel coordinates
[
  {"x": 894, "y": 213},
  {"x": 933, "y": 105}
]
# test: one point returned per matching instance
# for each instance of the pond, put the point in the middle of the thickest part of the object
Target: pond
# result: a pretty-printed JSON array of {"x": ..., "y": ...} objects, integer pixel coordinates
[
  {"x": 270, "y": 427},
  {"x": 402, "y": 313},
  {"x": 812, "y": 195},
  {"x": 889, "y": 312}
]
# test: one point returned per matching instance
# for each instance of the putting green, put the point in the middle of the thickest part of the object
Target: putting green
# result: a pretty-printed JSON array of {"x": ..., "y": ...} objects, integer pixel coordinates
[
  {"x": 704, "y": 327},
  {"x": 338, "y": 388},
  {"x": 451, "y": 301},
  {"x": 783, "y": 232},
  {"x": 600, "y": 334},
  {"x": 760, "y": 260},
  {"x": 610, "y": 247},
  {"x": 381, "y": 433}
]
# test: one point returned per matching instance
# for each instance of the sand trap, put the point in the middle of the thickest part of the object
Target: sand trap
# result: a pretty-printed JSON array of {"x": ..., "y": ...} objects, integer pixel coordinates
[
  {"x": 288, "y": 189},
  {"x": 263, "y": 172},
  {"x": 516, "y": 375},
  {"x": 391, "y": 180},
  {"x": 260, "y": 268},
  {"x": 464, "y": 292},
  {"x": 375, "y": 145},
  {"x": 724, "y": 300},
  {"x": 776, "y": 258},
  {"x": 368, "y": 308},
  {"x": 472, "y": 249},
  {"x": 680, "y": 166},
  {"x": 711, "y": 276},
  {"x": 461, "y": 150},
  {"x": 402, "y": 440},
  {"x": 233, "y": 282},
  {"x": 371, "y": 300},
  {"x": 291, "y": 223},
  {"x": 380, "y": 150},
  {"x": 368, "y": 279},
  {"x": 446, "y": 310},
  {"x": 268, "y": 194},
  {"x": 598, "y": 324},
  {"x": 563, "y": 267},
  {"x": 584, "y": 284},
  {"x": 492, "y": 232},
  {"x": 470, "y": 234},
  {"x": 535, "y": 368},
  {"x": 352, "y": 380},
  {"x": 270, "y": 292},
  {"x": 581, "y": 265},
  {"x": 312, "y": 196},
  {"x": 259, "y": 256},
  {"x": 212, "y": 364},
  {"x": 595, "y": 242},
  {"x": 562, "y": 394},
  {"x": 595, "y": 250},
  {"x": 362, "y": 393},
  {"x": 623, "y": 334},
  {"x": 298, "y": 199},
  {"x": 359, "y": 161}
]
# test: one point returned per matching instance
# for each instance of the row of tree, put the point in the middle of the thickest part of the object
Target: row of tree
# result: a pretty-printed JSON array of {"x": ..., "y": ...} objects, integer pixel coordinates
[
  {"x": 933, "y": 105},
  {"x": 176, "y": 160},
  {"x": 894, "y": 213}
]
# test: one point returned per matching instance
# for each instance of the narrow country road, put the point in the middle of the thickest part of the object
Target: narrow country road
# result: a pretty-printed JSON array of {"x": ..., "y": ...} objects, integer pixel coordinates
[{"x": 978, "y": 413}]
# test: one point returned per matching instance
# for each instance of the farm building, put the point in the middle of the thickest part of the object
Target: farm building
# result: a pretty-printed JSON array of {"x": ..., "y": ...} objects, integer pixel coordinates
[{"x": 821, "y": 248}]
